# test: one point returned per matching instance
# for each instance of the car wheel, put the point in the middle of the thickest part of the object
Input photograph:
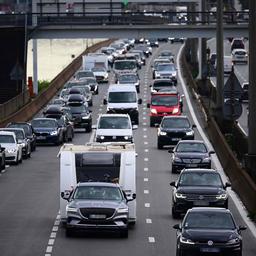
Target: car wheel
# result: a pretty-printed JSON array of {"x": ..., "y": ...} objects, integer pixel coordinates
[
  {"x": 20, "y": 161},
  {"x": 175, "y": 214},
  {"x": 159, "y": 145},
  {"x": 124, "y": 233}
]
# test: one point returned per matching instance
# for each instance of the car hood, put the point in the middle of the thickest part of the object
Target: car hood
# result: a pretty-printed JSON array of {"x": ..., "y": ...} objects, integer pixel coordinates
[
  {"x": 8, "y": 145},
  {"x": 97, "y": 204},
  {"x": 114, "y": 132},
  {"x": 123, "y": 105},
  {"x": 176, "y": 129},
  {"x": 200, "y": 190},
  {"x": 173, "y": 73},
  {"x": 215, "y": 235},
  {"x": 191, "y": 155}
]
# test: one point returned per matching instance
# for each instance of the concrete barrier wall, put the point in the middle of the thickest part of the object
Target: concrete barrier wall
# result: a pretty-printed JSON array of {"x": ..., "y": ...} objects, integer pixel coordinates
[
  {"x": 28, "y": 111},
  {"x": 242, "y": 183}
]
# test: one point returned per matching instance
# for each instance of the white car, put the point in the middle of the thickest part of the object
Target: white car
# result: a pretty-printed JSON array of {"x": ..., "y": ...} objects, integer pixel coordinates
[
  {"x": 227, "y": 64},
  {"x": 114, "y": 127},
  {"x": 13, "y": 150},
  {"x": 239, "y": 56},
  {"x": 101, "y": 74}
]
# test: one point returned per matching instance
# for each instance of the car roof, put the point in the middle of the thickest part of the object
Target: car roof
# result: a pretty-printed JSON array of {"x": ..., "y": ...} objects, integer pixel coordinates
[
  {"x": 176, "y": 117},
  {"x": 209, "y": 209},
  {"x": 7, "y": 133},
  {"x": 191, "y": 141},
  {"x": 199, "y": 170},
  {"x": 122, "y": 88},
  {"x": 44, "y": 118},
  {"x": 97, "y": 184},
  {"x": 113, "y": 115},
  {"x": 12, "y": 129}
]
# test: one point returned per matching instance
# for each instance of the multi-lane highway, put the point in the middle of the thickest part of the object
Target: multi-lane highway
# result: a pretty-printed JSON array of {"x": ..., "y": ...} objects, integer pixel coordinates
[
  {"x": 30, "y": 195},
  {"x": 242, "y": 73}
]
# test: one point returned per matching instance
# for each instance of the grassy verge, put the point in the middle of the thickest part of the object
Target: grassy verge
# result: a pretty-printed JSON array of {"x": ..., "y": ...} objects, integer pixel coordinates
[{"x": 42, "y": 85}]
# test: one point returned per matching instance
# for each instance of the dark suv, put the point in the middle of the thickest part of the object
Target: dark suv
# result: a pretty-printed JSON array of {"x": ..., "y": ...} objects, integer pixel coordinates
[
  {"x": 97, "y": 206},
  {"x": 198, "y": 187},
  {"x": 173, "y": 129}
]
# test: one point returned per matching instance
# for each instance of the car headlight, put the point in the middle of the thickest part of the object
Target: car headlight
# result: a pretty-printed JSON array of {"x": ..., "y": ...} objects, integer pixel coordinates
[
  {"x": 162, "y": 133},
  {"x": 127, "y": 137},
  {"x": 153, "y": 111},
  {"x": 185, "y": 240},
  {"x": 122, "y": 210},
  {"x": 233, "y": 241},
  {"x": 101, "y": 137},
  {"x": 53, "y": 133},
  {"x": 12, "y": 150},
  {"x": 207, "y": 160},
  {"x": 106, "y": 75},
  {"x": 175, "y": 111},
  {"x": 23, "y": 144},
  {"x": 85, "y": 117},
  {"x": 177, "y": 159},
  {"x": 158, "y": 76},
  {"x": 222, "y": 196},
  {"x": 179, "y": 195},
  {"x": 71, "y": 209},
  {"x": 190, "y": 133}
]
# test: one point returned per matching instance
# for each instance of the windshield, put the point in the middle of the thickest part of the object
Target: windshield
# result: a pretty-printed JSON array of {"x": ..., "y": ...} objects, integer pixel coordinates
[
  {"x": 175, "y": 123},
  {"x": 6, "y": 139},
  {"x": 44, "y": 123},
  {"x": 19, "y": 134},
  {"x": 191, "y": 147},
  {"x": 77, "y": 109},
  {"x": 82, "y": 74},
  {"x": 25, "y": 127},
  {"x": 126, "y": 79},
  {"x": 209, "y": 220},
  {"x": 122, "y": 97},
  {"x": 166, "y": 54},
  {"x": 98, "y": 193},
  {"x": 165, "y": 67},
  {"x": 160, "y": 100},
  {"x": 200, "y": 179},
  {"x": 112, "y": 122},
  {"x": 126, "y": 64}
]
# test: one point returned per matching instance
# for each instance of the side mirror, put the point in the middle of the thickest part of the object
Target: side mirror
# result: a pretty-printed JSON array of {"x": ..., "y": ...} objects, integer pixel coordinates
[
  {"x": 227, "y": 184},
  {"x": 105, "y": 102},
  {"x": 177, "y": 226},
  {"x": 193, "y": 126},
  {"x": 134, "y": 127},
  {"x": 65, "y": 195},
  {"x": 150, "y": 85},
  {"x": 139, "y": 101},
  {"x": 241, "y": 228},
  {"x": 211, "y": 152},
  {"x": 133, "y": 197},
  {"x": 148, "y": 105},
  {"x": 170, "y": 151},
  {"x": 173, "y": 184}
]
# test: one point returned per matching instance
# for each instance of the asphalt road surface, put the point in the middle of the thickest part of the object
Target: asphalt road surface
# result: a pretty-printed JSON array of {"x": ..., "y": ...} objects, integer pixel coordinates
[{"x": 29, "y": 206}]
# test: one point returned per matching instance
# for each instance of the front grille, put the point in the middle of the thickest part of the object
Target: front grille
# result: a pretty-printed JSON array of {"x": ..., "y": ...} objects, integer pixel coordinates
[
  {"x": 86, "y": 212},
  {"x": 176, "y": 134},
  {"x": 114, "y": 138},
  {"x": 198, "y": 197},
  {"x": 42, "y": 133},
  {"x": 10, "y": 158},
  {"x": 191, "y": 160}
]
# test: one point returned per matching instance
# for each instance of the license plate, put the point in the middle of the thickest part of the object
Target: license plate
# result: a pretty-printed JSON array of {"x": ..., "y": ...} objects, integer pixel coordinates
[
  {"x": 208, "y": 249},
  {"x": 41, "y": 137},
  {"x": 201, "y": 203},
  {"x": 191, "y": 165},
  {"x": 98, "y": 216},
  {"x": 176, "y": 139}
]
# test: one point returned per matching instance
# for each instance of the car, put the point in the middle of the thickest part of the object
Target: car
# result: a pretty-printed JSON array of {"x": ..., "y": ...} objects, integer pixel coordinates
[
  {"x": 153, "y": 42},
  {"x": 21, "y": 140},
  {"x": 81, "y": 116},
  {"x": 63, "y": 121},
  {"x": 167, "y": 54},
  {"x": 166, "y": 71},
  {"x": 125, "y": 66},
  {"x": 63, "y": 95},
  {"x": 129, "y": 78},
  {"x": 59, "y": 102},
  {"x": 123, "y": 100},
  {"x": 208, "y": 231},
  {"x": 114, "y": 127},
  {"x": 76, "y": 98},
  {"x": 159, "y": 84},
  {"x": 29, "y": 132},
  {"x": 13, "y": 150},
  {"x": 198, "y": 187},
  {"x": 239, "y": 56},
  {"x": 141, "y": 54},
  {"x": 245, "y": 87},
  {"x": 47, "y": 130},
  {"x": 173, "y": 129},
  {"x": 159, "y": 61},
  {"x": 83, "y": 74},
  {"x": 86, "y": 92},
  {"x": 110, "y": 52},
  {"x": 97, "y": 206},
  {"x": 164, "y": 104},
  {"x": 237, "y": 43},
  {"x": 177, "y": 40},
  {"x": 190, "y": 154},
  {"x": 147, "y": 50},
  {"x": 101, "y": 74},
  {"x": 91, "y": 82},
  {"x": 2, "y": 158}
]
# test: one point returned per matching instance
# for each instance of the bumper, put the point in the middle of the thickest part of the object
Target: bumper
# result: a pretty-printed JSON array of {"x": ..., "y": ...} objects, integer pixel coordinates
[
  {"x": 114, "y": 139},
  {"x": 166, "y": 140},
  {"x": 82, "y": 124},
  {"x": 47, "y": 139},
  {"x": 157, "y": 119},
  {"x": 10, "y": 157},
  {"x": 181, "y": 166}
]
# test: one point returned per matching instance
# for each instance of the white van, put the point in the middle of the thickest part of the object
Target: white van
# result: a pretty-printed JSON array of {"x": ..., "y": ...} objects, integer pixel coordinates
[
  {"x": 98, "y": 162},
  {"x": 92, "y": 60},
  {"x": 123, "y": 100}
]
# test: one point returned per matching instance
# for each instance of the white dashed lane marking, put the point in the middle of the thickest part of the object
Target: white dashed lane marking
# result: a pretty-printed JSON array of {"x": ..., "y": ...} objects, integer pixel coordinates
[
  {"x": 145, "y": 143},
  {"x": 146, "y": 191},
  {"x": 148, "y": 221},
  {"x": 145, "y": 169},
  {"x": 147, "y": 205},
  {"x": 146, "y": 159},
  {"x": 146, "y": 150},
  {"x": 144, "y": 123},
  {"x": 151, "y": 239},
  {"x": 145, "y": 179},
  {"x": 145, "y": 136},
  {"x": 145, "y": 129}
]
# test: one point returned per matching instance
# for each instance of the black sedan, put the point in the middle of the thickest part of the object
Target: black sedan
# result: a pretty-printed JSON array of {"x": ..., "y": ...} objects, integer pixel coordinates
[
  {"x": 173, "y": 129},
  {"x": 47, "y": 130},
  {"x": 198, "y": 187},
  {"x": 208, "y": 231},
  {"x": 190, "y": 154}
]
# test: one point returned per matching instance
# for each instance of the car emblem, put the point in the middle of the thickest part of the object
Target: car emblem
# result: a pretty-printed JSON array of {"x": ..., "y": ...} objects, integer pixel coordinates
[
  {"x": 210, "y": 243},
  {"x": 114, "y": 137},
  {"x": 191, "y": 160},
  {"x": 201, "y": 197}
]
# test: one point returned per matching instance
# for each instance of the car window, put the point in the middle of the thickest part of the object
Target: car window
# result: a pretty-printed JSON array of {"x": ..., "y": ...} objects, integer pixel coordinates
[
  {"x": 200, "y": 179},
  {"x": 44, "y": 123},
  {"x": 122, "y": 97},
  {"x": 175, "y": 123},
  {"x": 209, "y": 220},
  {"x": 191, "y": 147},
  {"x": 98, "y": 193},
  {"x": 76, "y": 109},
  {"x": 6, "y": 139},
  {"x": 114, "y": 123},
  {"x": 164, "y": 100}
]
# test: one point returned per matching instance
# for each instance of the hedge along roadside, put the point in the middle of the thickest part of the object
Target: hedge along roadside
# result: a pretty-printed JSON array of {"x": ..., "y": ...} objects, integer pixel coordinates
[
  {"x": 29, "y": 110},
  {"x": 242, "y": 183}
]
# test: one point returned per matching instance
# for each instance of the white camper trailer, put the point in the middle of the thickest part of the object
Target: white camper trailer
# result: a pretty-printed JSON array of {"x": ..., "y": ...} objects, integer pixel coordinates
[
  {"x": 95, "y": 60},
  {"x": 98, "y": 162}
]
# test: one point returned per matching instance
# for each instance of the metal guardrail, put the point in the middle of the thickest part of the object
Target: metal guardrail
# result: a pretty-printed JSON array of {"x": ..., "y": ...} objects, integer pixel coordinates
[{"x": 122, "y": 18}]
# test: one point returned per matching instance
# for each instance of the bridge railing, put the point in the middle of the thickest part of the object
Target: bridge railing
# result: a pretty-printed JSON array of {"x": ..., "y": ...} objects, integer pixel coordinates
[{"x": 123, "y": 18}]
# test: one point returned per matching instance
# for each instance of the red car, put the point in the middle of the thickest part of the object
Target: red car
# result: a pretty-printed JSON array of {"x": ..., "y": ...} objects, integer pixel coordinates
[{"x": 164, "y": 104}]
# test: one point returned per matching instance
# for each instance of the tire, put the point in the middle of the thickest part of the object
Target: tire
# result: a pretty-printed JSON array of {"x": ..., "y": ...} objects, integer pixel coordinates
[
  {"x": 124, "y": 233},
  {"x": 159, "y": 145},
  {"x": 20, "y": 161},
  {"x": 174, "y": 170}
]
